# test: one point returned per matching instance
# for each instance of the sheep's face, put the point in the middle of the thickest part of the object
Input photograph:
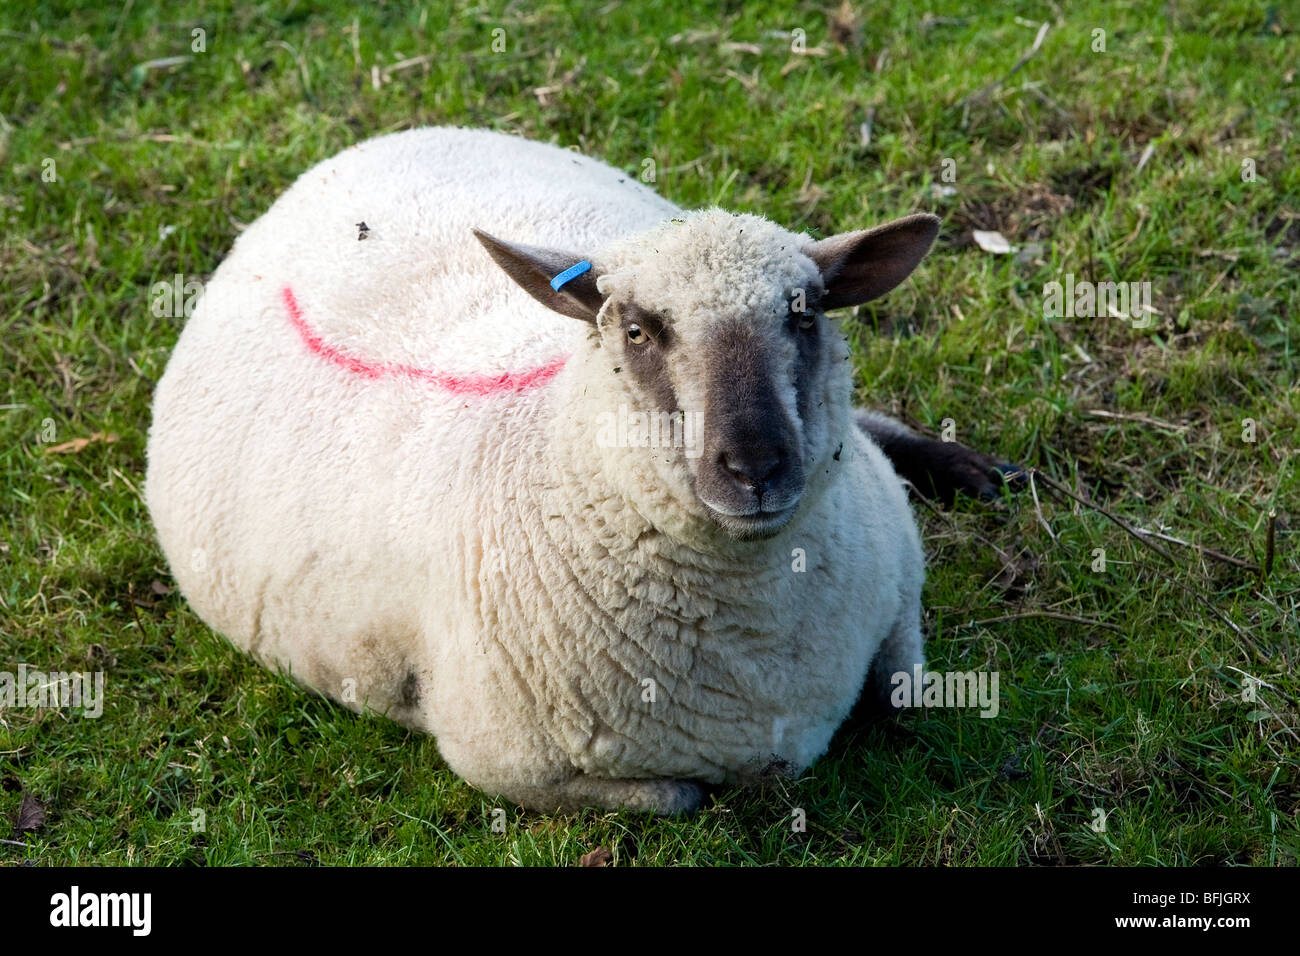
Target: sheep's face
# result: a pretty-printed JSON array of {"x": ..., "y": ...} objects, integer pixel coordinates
[
  {"x": 719, "y": 324},
  {"x": 725, "y": 374}
]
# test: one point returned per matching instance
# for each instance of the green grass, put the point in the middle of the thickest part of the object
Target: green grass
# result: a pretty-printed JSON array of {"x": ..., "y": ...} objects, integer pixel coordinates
[{"x": 1138, "y": 713}]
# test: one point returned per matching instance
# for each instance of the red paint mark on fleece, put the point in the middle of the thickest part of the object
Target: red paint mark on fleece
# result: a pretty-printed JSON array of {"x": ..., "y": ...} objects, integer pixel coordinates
[{"x": 481, "y": 385}]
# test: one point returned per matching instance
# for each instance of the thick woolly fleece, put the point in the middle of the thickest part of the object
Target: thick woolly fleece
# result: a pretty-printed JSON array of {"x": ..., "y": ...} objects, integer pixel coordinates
[{"x": 373, "y": 464}]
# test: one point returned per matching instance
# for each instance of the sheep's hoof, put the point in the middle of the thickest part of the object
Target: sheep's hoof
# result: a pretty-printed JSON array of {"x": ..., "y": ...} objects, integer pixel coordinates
[
  {"x": 947, "y": 469},
  {"x": 1015, "y": 477},
  {"x": 940, "y": 469}
]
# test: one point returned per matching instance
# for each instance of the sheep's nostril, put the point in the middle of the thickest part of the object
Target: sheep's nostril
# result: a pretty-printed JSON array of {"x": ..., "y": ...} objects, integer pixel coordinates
[{"x": 752, "y": 467}]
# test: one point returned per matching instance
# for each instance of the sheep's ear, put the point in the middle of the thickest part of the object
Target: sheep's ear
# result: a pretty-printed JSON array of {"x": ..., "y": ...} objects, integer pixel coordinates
[
  {"x": 533, "y": 268},
  {"x": 860, "y": 266}
]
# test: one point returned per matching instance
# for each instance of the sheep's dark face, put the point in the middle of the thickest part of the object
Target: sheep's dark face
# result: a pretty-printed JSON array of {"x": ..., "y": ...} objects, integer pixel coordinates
[
  {"x": 745, "y": 392},
  {"x": 727, "y": 381}
]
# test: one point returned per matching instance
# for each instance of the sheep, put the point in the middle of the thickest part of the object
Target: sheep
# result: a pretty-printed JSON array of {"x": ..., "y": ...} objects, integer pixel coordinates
[{"x": 374, "y": 466}]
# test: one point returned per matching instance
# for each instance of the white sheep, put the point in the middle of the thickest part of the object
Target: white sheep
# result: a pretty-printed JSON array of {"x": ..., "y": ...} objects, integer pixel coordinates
[{"x": 376, "y": 462}]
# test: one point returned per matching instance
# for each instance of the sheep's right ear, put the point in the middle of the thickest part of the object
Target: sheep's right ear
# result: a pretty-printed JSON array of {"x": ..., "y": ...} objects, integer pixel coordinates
[
  {"x": 533, "y": 268},
  {"x": 860, "y": 266}
]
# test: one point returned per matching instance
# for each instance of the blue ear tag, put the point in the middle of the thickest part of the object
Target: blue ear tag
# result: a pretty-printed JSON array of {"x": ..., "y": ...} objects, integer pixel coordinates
[{"x": 570, "y": 273}]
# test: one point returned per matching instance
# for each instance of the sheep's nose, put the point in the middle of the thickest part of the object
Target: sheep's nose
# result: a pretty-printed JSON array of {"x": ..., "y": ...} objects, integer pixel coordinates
[{"x": 752, "y": 466}]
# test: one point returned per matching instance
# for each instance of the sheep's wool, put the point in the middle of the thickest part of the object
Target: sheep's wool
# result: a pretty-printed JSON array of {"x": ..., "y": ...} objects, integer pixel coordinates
[{"x": 371, "y": 465}]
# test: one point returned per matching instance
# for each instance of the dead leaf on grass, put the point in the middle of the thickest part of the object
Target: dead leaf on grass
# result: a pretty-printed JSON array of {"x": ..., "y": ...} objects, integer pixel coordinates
[
  {"x": 31, "y": 815},
  {"x": 77, "y": 444},
  {"x": 993, "y": 242},
  {"x": 601, "y": 856}
]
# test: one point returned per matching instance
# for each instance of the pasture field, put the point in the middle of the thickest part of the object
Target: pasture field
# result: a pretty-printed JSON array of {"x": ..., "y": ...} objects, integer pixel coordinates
[{"x": 1149, "y": 709}]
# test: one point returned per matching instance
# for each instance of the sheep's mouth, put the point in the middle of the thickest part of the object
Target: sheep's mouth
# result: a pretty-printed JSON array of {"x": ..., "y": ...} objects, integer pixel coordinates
[{"x": 757, "y": 524}]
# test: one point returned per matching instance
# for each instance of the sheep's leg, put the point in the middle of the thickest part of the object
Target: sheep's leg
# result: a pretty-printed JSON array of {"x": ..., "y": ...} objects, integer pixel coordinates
[
  {"x": 662, "y": 797},
  {"x": 901, "y": 653},
  {"x": 526, "y": 773},
  {"x": 938, "y": 469}
]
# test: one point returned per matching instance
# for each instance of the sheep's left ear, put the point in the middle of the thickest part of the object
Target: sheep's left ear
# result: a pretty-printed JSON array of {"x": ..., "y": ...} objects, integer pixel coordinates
[
  {"x": 533, "y": 268},
  {"x": 860, "y": 266}
]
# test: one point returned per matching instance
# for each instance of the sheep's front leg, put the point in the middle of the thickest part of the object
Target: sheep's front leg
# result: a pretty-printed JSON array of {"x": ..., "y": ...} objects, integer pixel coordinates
[
  {"x": 549, "y": 789},
  {"x": 901, "y": 653},
  {"x": 938, "y": 469},
  {"x": 666, "y": 797},
  {"x": 662, "y": 797}
]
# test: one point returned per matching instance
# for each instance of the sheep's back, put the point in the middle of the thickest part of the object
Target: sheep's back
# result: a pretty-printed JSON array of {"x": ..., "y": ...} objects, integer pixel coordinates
[
  {"x": 419, "y": 292},
  {"x": 333, "y": 396}
]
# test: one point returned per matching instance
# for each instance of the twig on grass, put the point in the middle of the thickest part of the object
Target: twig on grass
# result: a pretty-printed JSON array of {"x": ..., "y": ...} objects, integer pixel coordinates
[
  {"x": 1048, "y": 829},
  {"x": 1129, "y": 529},
  {"x": 1038, "y": 508},
  {"x": 1141, "y": 419},
  {"x": 1054, "y": 615},
  {"x": 1259, "y": 656},
  {"x": 1270, "y": 533},
  {"x": 1259, "y": 680},
  {"x": 388, "y": 71},
  {"x": 1207, "y": 552},
  {"x": 1142, "y": 534},
  {"x": 983, "y": 94},
  {"x": 130, "y": 600}
]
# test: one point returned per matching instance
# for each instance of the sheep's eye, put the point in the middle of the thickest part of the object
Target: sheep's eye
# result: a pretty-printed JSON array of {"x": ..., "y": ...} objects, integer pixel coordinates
[
  {"x": 636, "y": 335},
  {"x": 806, "y": 321}
]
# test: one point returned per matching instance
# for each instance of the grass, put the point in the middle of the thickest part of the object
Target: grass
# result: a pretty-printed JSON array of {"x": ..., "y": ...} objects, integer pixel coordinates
[{"x": 1129, "y": 702}]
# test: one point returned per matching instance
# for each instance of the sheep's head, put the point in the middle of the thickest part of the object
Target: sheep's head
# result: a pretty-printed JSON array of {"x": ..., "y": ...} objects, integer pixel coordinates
[{"x": 720, "y": 319}]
